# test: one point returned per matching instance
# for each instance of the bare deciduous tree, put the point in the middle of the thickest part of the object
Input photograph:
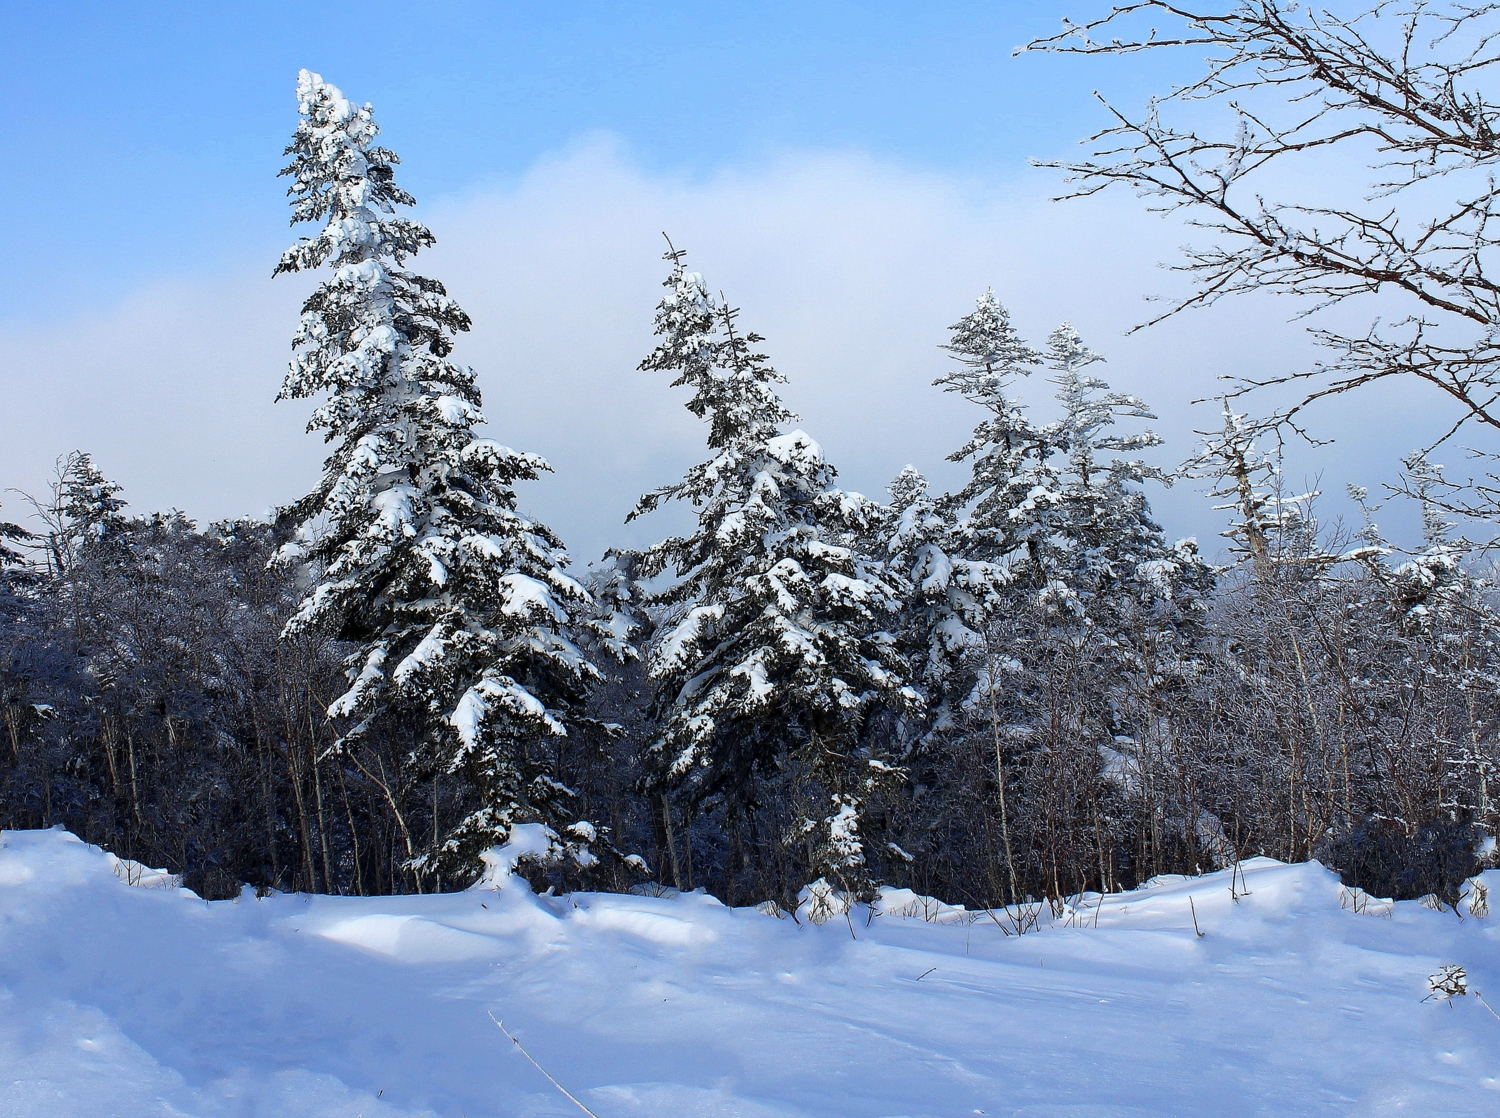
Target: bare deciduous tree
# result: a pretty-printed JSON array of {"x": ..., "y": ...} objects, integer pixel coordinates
[{"x": 1393, "y": 101}]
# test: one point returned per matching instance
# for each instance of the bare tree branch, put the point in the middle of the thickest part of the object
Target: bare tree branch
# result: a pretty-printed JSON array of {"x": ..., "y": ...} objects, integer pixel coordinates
[{"x": 1394, "y": 96}]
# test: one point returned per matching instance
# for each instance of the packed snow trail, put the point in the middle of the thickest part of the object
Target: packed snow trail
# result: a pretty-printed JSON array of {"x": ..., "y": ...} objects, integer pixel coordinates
[{"x": 137, "y": 1000}]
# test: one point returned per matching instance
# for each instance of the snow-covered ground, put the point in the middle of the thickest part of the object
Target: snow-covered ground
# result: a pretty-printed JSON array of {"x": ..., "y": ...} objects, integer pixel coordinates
[{"x": 128, "y": 1000}]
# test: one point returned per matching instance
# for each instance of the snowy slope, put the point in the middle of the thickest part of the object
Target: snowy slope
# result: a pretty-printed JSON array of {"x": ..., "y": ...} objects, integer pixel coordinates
[{"x": 134, "y": 1000}]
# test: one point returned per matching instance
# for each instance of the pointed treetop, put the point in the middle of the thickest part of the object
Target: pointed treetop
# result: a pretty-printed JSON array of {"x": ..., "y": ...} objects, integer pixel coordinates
[
  {"x": 1089, "y": 405},
  {"x": 732, "y": 384},
  {"x": 90, "y": 501},
  {"x": 989, "y": 351},
  {"x": 338, "y": 172},
  {"x": 686, "y": 320},
  {"x": 673, "y": 253},
  {"x": 906, "y": 487}
]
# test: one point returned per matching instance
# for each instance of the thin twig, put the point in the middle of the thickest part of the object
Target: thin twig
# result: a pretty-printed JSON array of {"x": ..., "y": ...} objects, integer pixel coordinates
[
  {"x": 571, "y": 1097},
  {"x": 1194, "y": 909},
  {"x": 1486, "y": 1005}
]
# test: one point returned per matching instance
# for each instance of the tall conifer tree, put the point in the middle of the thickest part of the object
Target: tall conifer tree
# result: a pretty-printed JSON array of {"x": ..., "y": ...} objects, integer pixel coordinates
[
  {"x": 776, "y": 652},
  {"x": 459, "y": 605},
  {"x": 990, "y": 356},
  {"x": 1102, "y": 542},
  {"x": 948, "y": 600},
  {"x": 90, "y": 506}
]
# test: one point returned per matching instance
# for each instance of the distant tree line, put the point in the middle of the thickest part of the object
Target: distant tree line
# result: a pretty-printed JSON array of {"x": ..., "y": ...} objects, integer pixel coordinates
[{"x": 1018, "y": 690}]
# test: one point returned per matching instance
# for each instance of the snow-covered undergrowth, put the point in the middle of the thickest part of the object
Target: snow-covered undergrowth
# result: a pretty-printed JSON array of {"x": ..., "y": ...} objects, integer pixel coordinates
[{"x": 130, "y": 1001}]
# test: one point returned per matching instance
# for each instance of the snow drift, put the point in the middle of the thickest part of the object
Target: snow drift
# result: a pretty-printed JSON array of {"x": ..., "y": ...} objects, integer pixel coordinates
[{"x": 122, "y": 994}]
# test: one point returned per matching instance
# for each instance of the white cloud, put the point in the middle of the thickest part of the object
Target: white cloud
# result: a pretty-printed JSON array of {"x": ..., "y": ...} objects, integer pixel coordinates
[{"x": 851, "y": 268}]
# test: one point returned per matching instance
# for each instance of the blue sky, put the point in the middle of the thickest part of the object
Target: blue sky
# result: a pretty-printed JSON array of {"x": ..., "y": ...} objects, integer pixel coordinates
[
  {"x": 853, "y": 175},
  {"x": 143, "y": 139}
]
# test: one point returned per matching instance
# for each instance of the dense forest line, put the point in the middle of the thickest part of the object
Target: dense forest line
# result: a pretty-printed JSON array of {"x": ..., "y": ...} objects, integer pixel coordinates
[
  {"x": 1018, "y": 690},
  {"x": 1312, "y": 701}
]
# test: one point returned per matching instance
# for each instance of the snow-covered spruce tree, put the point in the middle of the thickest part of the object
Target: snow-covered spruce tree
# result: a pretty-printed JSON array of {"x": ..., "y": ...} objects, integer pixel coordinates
[
  {"x": 948, "y": 601},
  {"x": 459, "y": 605},
  {"x": 775, "y": 649},
  {"x": 1116, "y": 616},
  {"x": 1006, "y": 446},
  {"x": 1091, "y": 520},
  {"x": 86, "y": 511},
  {"x": 618, "y": 615},
  {"x": 1115, "y": 610},
  {"x": 1089, "y": 617},
  {"x": 91, "y": 502},
  {"x": 956, "y": 554},
  {"x": 89, "y": 541}
]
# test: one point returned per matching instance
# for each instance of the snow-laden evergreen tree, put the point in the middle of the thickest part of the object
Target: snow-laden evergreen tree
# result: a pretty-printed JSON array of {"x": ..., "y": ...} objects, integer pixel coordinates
[
  {"x": 88, "y": 538},
  {"x": 775, "y": 648},
  {"x": 89, "y": 510},
  {"x": 1104, "y": 619},
  {"x": 617, "y": 616},
  {"x": 948, "y": 601},
  {"x": 989, "y": 352},
  {"x": 963, "y": 581},
  {"x": 1006, "y": 447},
  {"x": 91, "y": 502},
  {"x": 459, "y": 605},
  {"x": 1118, "y": 608},
  {"x": 1087, "y": 516}
]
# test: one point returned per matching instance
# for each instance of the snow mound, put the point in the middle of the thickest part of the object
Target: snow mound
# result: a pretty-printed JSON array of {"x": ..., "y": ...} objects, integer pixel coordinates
[{"x": 1298, "y": 997}]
